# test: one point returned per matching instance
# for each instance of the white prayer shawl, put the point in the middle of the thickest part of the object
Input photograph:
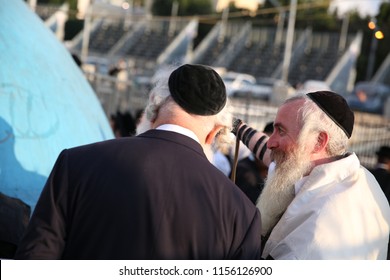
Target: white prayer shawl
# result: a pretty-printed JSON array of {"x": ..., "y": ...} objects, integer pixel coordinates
[{"x": 339, "y": 212}]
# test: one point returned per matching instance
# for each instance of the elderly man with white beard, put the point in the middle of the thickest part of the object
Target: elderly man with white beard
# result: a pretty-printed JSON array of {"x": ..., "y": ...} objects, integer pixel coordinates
[{"x": 318, "y": 201}]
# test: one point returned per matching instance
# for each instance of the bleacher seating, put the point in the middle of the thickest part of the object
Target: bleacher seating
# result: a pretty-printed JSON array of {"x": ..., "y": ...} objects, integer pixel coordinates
[
  {"x": 144, "y": 41},
  {"x": 107, "y": 35},
  {"x": 215, "y": 50},
  {"x": 259, "y": 57},
  {"x": 151, "y": 42},
  {"x": 219, "y": 44},
  {"x": 259, "y": 60},
  {"x": 318, "y": 59},
  {"x": 140, "y": 41}
]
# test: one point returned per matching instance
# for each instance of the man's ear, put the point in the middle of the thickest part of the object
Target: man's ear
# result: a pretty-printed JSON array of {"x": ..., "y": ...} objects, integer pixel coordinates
[
  {"x": 210, "y": 137},
  {"x": 322, "y": 142}
]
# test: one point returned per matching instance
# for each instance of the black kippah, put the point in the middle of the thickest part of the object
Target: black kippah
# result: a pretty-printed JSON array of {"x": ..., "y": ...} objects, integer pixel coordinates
[
  {"x": 198, "y": 89},
  {"x": 335, "y": 106},
  {"x": 384, "y": 151}
]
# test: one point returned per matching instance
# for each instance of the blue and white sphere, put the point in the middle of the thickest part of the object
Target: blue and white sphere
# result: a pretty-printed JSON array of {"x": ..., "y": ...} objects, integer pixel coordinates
[{"x": 46, "y": 104}]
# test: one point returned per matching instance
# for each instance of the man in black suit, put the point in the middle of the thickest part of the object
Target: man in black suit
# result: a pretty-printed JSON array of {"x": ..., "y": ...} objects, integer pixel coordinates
[
  {"x": 153, "y": 196},
  {"x": 382, "y": 175},
  {"x": 382, "y": 170},
  {"x": 14, "y": 217}
]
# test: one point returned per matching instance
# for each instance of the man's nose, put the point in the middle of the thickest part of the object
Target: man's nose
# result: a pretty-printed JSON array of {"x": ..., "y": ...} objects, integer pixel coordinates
[{"x": 272, "y": 143}]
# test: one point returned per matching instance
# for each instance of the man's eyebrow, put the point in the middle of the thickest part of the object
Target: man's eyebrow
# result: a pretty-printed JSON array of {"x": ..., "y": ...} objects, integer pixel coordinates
[{"x": 278, "y": 125}]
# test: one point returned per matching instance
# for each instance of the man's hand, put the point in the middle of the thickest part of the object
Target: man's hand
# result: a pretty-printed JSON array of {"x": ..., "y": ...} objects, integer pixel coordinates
[{"x": 236, "y": 125}]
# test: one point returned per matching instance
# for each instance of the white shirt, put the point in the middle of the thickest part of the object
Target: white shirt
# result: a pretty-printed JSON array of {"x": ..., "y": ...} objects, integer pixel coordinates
[
  {"x": 339, "y": 212},
  {"x": 179, "y": 129}
]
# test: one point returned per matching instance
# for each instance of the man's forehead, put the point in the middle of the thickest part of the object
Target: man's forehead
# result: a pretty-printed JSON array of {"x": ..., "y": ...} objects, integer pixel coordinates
[
  {"x": 288, "y": 110},
  {"x": 287, "y": 116}
]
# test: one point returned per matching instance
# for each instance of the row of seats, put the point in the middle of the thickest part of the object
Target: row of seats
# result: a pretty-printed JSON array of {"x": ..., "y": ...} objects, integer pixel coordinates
[{"x": 260, "y": 56}]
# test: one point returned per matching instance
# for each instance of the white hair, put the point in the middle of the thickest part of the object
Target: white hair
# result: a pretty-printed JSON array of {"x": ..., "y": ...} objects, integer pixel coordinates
[
  {"x": 161, "y": 96},
  {"x": 159, "y": 93},
  {"x": 314, "y": 120}
]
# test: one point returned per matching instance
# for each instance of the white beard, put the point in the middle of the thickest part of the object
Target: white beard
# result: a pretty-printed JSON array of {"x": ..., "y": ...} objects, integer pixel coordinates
[
  {"x": 143, "y": 125},
  {"x": 279, "y": 189}
]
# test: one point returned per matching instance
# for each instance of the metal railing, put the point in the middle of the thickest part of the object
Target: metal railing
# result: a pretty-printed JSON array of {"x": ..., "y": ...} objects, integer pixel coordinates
[{"x": 118, "y": 95}]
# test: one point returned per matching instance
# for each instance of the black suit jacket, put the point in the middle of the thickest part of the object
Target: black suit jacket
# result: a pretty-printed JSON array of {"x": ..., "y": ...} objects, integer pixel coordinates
[
  {"x": 383, "y": 178},
  {"x": 154, "y": 196},
  {"x": 248, "y": 178}
]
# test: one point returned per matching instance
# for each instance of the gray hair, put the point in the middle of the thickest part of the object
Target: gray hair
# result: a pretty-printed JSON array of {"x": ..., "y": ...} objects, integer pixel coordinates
[
  {"x": 160, "y": 96},
  {"x": 314, "y": 120}
]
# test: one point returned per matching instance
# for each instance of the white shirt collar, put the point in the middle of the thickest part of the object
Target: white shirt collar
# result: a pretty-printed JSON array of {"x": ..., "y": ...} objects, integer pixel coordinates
[
  {"x": 337, "y": 168},
  {"x": 179, "y": 129}
]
